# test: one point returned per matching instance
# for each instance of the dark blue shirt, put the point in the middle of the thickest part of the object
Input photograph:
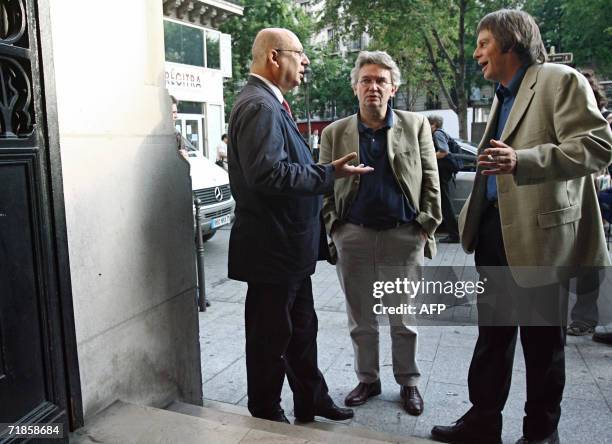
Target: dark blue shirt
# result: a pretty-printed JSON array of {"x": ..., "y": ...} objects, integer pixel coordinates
[
  {"x": 380, "y": 203},
  {"x": 506, "y": 98}
]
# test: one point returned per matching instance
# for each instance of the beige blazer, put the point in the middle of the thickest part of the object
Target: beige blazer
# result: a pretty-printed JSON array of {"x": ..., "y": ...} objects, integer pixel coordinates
[
  {"x": 549, "y": 212},
  {"x": 413, "y": 161}
]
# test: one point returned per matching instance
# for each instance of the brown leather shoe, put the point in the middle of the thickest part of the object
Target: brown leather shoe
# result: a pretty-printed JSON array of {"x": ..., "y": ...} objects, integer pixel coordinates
[
  {"x": 360, "y": 394},
  {"x": 411, "y": 400}
]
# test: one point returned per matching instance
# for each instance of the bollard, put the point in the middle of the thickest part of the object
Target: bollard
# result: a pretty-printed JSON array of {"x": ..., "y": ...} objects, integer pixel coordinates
[{"x": 202, "y": 302}]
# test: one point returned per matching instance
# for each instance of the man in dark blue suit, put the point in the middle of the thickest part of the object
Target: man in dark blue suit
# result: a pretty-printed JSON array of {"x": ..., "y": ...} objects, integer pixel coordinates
[{"x": 277, "y": 234}]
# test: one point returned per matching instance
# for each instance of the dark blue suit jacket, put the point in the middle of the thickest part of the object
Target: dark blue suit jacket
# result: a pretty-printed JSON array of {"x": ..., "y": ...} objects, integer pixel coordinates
[{"x": 276, "y": 236}]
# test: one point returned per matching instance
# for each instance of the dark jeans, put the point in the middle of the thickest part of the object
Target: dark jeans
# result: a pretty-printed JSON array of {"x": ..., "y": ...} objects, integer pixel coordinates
[
  {"x": 281, "y": 338},
  {"x": 491, "y": 367},
  {"x": 448, "y": 212}
]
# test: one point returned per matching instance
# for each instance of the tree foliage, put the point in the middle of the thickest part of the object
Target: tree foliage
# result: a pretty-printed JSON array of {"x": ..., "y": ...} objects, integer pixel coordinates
[
  {"x": 259, "y": 14},
  {"x": 329, "y": 87},
  {"x": 431, "y": 40},
  {"x": 427, "y": 38},
  {"x": 331, "y": 94},
  {"x": 578, "y": 26}
]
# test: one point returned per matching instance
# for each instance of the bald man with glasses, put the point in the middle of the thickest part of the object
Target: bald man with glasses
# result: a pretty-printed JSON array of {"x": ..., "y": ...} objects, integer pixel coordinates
[{"x": 277, "y": 234}]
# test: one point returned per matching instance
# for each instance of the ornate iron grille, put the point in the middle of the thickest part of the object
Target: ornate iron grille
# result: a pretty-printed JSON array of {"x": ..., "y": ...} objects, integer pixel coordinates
[{"x": 17, "y": 117}]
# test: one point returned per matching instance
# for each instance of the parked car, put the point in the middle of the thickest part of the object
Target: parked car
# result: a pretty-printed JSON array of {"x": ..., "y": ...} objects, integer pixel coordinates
[
  {"x": 210, "y": 183},
  {"x": 464, "y": 180}
]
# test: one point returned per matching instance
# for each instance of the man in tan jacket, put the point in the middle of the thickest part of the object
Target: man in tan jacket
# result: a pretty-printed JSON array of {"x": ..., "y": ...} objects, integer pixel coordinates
[
  {"x": 381, "y": 225},
  {"x": 532, "y": 221}
]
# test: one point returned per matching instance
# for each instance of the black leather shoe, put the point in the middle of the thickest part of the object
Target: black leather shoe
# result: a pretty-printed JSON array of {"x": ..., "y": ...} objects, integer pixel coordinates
[
  {"x": 332, "y": 412},
  {"x": 552, "y": 439},
  {"x": 411, "y": 400},
  {"x": 276, "y": 417},
  {"x": 461, "y": 432},
  {"x": 360, "y": 394},
  {"x": 604, "y": 338}
]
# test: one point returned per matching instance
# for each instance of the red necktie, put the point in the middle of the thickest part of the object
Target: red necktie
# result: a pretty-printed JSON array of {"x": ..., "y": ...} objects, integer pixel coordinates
[{"x": 287, "y": 107}]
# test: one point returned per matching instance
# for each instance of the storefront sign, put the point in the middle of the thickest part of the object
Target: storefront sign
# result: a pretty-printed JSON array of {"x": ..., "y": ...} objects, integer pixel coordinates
[
  {"x": 183, "y": 77},
  {"x": 193, "y": 83}
]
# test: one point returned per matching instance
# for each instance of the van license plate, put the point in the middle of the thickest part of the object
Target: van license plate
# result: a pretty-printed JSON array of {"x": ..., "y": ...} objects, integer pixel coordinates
[{"x": 219, "y": 221}]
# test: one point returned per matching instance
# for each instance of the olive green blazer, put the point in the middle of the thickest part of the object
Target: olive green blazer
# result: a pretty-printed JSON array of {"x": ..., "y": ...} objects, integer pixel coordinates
[
  {"x": 551, "y": 223},
  {"x": 413, "y": 161}
]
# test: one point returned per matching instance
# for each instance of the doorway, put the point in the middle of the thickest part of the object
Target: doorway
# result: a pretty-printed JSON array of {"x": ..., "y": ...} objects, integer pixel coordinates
[
  {"x": 39, "y": 375},
  {"x": 192, "y": 128}
]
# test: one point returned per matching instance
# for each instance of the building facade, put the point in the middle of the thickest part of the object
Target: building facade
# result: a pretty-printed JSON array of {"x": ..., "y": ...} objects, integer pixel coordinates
[
  {"x": 97, "y": 270},
  {"x": 197, "y": 59}
]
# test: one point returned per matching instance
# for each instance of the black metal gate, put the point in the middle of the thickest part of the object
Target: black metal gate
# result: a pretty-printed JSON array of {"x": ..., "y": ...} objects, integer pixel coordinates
[{"x": 38, "y": 366}]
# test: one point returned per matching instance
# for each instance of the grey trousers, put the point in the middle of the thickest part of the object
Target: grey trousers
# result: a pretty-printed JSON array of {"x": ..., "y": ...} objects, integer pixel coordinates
[{"x": 366, "y": 256}]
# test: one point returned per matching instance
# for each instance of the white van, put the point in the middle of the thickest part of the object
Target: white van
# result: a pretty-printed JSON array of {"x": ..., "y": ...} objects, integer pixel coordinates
[{"x": 210, "y": 183}]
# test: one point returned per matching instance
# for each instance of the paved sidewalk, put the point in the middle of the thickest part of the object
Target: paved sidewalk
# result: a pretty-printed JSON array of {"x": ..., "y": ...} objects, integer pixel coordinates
[{"x": 444, "y": 357}]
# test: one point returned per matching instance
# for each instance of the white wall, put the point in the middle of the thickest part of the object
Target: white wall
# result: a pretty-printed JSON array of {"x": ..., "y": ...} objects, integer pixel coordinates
[
  {"x": 128, "y": 206},
  {"x": 451, "y": 121}
]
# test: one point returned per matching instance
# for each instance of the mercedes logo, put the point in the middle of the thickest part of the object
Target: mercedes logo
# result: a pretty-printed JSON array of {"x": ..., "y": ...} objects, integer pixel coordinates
[{"x": 218, "y": 194}]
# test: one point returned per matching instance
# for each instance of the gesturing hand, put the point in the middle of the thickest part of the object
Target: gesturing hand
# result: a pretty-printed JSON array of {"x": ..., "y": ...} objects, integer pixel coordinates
[
  {"x": 500, "y": 159},
  {"x": 341, "y": 169}
]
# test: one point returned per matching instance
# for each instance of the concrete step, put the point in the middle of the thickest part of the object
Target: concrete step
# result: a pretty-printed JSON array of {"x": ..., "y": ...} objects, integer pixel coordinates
[
  {"x": 319, "y": 431},
  {"x": 126, "y": 423}
]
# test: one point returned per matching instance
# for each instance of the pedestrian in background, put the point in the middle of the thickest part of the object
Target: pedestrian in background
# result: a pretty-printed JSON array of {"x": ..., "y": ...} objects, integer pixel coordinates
[
  {"x": 447, "y": 169},
  {"x": 222, "y": 152},
  {"x": 183, "y": 145},
  {"x": 585, "y": 314},
  {"x": 314, "y": 140}
]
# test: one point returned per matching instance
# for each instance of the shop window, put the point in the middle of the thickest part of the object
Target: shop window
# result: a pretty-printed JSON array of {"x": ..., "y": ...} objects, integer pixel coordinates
[
  {"x": 183, "y": 44},
  {"x": 213, "y": 50},
  {"x": 188, "y": 44},
  {"x": 185, "y": 107}
]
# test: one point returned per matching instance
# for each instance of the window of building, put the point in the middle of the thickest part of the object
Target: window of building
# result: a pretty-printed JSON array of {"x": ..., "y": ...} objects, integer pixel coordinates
[
  {"x": 183, "y": 44},
  {"x": 185, "y": 107},
  {"x": 354, "y": 44},
  {"x": 191, "y": 45},
  {"x": 432, "y": 101},
  {"x": 213, "y": 50}
]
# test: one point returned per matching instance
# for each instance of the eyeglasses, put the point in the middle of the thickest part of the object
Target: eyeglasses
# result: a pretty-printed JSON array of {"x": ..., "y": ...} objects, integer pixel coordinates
[
  {"x": 299, "y": 53},
  {"x": 379, "y": 81}
]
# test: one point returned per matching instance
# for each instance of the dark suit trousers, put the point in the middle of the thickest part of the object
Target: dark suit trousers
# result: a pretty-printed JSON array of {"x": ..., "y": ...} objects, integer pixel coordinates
[
  {"x": 448, "y": 212},
  {"x": 281, "y": 338},
  {"x": 491, "y": 367}
]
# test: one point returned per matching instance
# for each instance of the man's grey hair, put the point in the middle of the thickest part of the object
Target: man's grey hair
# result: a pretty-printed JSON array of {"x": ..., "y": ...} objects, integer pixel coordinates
[
  {"x": 516, "y": 30},
  {"x": 436, "y": 120},
  {"x": 380, "y": 58}
]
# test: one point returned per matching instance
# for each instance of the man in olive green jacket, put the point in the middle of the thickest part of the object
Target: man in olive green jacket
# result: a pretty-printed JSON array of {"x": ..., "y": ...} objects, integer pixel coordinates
[
  {"x": 548, "y": 204},
  {"x": 532, "y": 221},
  {"x": 381, "y": 226}
]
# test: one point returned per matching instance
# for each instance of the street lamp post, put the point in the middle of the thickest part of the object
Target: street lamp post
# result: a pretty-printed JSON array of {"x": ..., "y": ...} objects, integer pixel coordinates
[{"x": 307, "y": 74}]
